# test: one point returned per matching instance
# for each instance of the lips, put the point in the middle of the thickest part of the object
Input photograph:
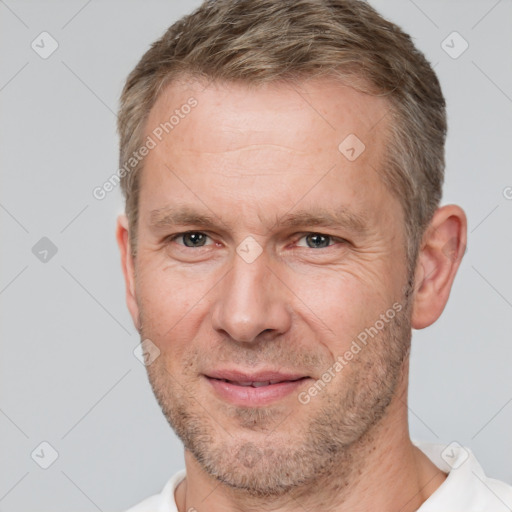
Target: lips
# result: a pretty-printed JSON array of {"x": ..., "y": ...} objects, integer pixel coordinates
[
  {"x": 260, "y": 378},
  {"x": 256, "y": 383},
  {"x": 252, "y": 389}
]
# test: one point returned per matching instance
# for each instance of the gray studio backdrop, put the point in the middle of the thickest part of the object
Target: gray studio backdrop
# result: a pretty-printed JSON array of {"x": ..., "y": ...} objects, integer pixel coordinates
[{"x": 79, "y": 427}]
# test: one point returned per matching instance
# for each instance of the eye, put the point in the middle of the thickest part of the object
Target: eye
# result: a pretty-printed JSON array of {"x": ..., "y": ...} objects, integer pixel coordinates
[
  {"x": 318, "y": 240},
  {"x": 190, "y": 238}
]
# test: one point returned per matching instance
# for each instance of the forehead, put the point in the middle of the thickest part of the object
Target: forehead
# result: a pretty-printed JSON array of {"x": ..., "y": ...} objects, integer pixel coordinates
[
  {"x": 236, "y": 113},
  {"x": 274, "y": 141}
]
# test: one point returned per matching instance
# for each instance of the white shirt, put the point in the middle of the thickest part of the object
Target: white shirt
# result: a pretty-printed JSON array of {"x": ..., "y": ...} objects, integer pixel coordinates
[{"x": 466, "y": 489}]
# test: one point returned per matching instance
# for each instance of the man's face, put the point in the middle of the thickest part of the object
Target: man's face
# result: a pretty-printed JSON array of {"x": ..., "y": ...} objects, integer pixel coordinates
[{"x": 262, "y": 291}]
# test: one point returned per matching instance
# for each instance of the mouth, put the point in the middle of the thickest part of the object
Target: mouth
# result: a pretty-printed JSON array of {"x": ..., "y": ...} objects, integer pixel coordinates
[
  {"x": 256, "y": 389},
  {"x": 258, "y": 384}
]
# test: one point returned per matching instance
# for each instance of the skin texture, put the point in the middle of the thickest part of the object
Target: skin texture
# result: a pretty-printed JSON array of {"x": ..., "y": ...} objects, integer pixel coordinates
[{"x": 248, "y": 158}]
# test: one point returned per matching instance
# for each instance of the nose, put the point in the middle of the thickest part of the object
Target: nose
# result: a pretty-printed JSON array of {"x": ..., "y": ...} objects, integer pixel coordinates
[{"x": 251, "y": 300}]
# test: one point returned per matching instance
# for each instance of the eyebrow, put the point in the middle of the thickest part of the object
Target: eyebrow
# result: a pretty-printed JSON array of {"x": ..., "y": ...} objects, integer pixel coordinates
[
  {"x": 175, "y": 216},
  {"x": 339, "y": 218}
]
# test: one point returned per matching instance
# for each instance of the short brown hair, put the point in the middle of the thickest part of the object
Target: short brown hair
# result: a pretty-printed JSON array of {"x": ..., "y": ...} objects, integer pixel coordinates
[{"x": 257, "y": 41}]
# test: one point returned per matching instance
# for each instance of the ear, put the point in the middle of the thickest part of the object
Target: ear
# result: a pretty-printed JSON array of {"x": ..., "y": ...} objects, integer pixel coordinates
[
  {"x": 441, "y": 252},
  {"x": 127, "y": 263}
]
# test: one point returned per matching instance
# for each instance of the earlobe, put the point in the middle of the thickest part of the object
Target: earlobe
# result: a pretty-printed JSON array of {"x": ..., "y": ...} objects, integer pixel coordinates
[
  {"x": 443, "y": 247},
  {"x": 128, "y": 267}
]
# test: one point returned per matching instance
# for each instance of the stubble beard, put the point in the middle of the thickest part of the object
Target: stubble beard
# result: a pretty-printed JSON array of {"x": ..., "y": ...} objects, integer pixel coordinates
[{"x": 258, "y": 459}]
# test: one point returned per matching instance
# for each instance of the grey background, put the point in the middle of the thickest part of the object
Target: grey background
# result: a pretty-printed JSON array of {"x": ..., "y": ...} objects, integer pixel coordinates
[{"x": 68, "y": 375}]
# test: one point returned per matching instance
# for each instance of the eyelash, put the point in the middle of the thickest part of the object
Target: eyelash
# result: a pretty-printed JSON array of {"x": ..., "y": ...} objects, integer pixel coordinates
[
  {"x": 172, "y": 238},
  {"x": 332, "y": 238}
]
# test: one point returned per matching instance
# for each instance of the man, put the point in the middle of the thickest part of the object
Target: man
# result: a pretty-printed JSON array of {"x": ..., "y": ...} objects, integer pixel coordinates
[{"x": 282, "y": 167}]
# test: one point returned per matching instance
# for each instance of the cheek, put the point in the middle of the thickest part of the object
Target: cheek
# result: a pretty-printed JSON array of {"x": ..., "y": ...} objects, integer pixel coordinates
[
  {"x": 169, "y": 304},
  {"x": 343, "y": 302},
  {"x": 340, "y": 307}
]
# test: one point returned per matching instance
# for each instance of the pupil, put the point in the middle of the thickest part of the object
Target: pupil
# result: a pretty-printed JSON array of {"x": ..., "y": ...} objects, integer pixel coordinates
[
  {"x": 195, "y": 239},
  {"x": 318, "y": 240}
]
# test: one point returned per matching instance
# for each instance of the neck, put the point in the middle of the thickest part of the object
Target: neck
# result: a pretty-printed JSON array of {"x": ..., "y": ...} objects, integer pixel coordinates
[{"x": 366, "y": 478}]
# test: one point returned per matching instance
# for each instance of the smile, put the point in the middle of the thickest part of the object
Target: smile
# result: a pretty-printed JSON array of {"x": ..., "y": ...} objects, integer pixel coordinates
[{"x": 251, "y": 391}]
